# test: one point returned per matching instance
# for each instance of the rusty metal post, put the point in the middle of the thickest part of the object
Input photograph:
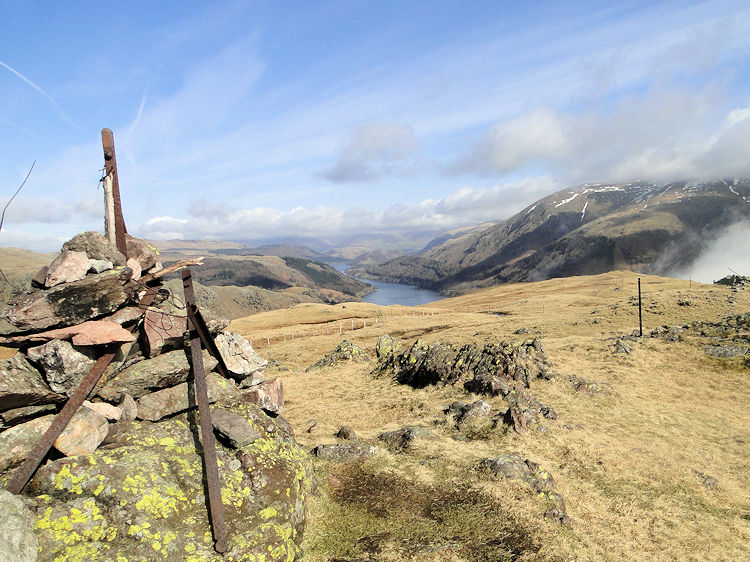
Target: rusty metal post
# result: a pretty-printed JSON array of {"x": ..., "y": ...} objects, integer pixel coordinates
[
  {"x": 110, "y": 171},
  {"x": 207, "y": 435},
  {"x": 24, "y": 473}
]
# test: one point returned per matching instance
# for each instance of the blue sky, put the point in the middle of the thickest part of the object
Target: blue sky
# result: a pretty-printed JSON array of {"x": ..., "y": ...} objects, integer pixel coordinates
[{"x": 265, "y": 120}]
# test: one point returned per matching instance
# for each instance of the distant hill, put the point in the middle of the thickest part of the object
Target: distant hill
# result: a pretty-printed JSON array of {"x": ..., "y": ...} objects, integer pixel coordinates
[
  {"x": 361, "y": 255},
  {"x": 588, "y": 229}
]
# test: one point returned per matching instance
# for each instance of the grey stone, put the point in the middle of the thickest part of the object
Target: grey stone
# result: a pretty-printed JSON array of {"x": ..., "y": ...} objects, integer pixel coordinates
[
  {"x": 63, "y": 365},
  {"x": 144, "y": 253},
  {"x": 344, "y": 451},
  {"x": 725, "y": 351},
  {"x": 402, "y": 438},
  {"x": 169, "y": 401},
  {"x": 345, "y": 351},
  {"x": 347, "y": 433},
  {"x": 233, "y": 428},
  {"x": 129, "y": 408},
  {"x": 83, "y": 434},
  {"x": 17, "y": 442},
  {"x": 241, "y": 360},
  {"x": 69, "y": 266},
  {"x": 95, "y": 246},
  {"x": 73, "y": 303},
  {"x": 18, "y": 543},
  {"x": 463, "y": 412},
  {"x": 385, "y": 347},
  {"x": 162, "y": 371},
  {"x": 22, "y": 385},
  {"x": 100, "y": 266},
  {"x": 9, "y": 418}
]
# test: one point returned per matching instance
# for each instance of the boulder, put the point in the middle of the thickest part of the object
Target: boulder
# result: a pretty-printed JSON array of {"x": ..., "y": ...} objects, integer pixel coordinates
[
  {"x": 17, "y": 442},
  {"x": 22, "y": 385},
  {"x": 513, "y": 466},
  {"x": 144, "y": 253},
  {"x": 233, "y": 428},
  {"x": 340, "y": 452},
  {"x": 93, "y": 332},
  {"x": 268, "y": 395},
  {"x": 462, "y": 412},
  {"x": 9, "y": 418},
  {"x": 99, "y": 266},
  {"x": 149, "y": 375},
  {"x": 69, "y": 266},
  {"x": 169, "y": 401},
  {"x": 142, "y": 496},
  {"x": 385, "y": 347},
  {"x": 162, "y": 331},
  {"x": 129, "y": 408},
  {"x": 18, "y": 542},
  {"x": 345, "y": 351},
  {"x": 83, "y": 434},
  {"x": 103, "y": 409},
  {"x": 241, "y": 360},
  {"x": 63, "y": 365},
  {"x": 402, "y": 438},
  {"x": 347, "y": 433},
  {"x": 95, "y": 246},
  {"x": 65, "y": 305}
]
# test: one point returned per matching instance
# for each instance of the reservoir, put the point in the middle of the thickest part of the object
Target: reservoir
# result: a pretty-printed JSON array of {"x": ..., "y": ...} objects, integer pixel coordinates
[{"x": 394, "y": 293}]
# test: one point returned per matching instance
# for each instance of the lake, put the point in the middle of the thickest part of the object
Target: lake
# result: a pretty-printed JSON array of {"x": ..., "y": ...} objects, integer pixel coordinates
[{"x": 395, "y": 293}]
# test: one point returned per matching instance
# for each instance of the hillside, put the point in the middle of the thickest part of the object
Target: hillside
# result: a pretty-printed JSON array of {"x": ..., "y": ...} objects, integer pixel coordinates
[
  {"x": 588, "y": 229},
  {"x": 646, "y": 466}
]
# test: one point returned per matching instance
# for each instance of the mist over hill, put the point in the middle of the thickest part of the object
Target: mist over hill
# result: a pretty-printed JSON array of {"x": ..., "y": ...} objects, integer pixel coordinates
[{"x": 587, "y": 229}]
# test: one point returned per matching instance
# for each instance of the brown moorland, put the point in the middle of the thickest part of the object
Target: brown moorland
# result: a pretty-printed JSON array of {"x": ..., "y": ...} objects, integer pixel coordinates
[{"x": 634, "y": 464}]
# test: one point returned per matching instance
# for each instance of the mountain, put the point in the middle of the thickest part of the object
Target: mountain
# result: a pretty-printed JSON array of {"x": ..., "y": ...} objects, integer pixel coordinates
[
  {"x": 588, "y": 229},
  {"x": 360, "y": 255}
]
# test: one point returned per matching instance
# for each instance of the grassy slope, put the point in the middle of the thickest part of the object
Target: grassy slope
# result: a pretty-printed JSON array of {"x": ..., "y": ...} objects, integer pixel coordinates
[{"x": 625, "y": 463}]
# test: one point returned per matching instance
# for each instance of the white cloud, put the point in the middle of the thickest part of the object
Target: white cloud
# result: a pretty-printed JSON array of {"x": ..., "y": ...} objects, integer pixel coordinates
[
  {"x": 374, "y": 150},
  {"x": 729, "y": 252}
]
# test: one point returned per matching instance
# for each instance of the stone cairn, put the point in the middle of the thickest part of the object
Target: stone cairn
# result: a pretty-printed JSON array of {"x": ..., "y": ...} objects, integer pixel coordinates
[{"x": 86, "y": 303}]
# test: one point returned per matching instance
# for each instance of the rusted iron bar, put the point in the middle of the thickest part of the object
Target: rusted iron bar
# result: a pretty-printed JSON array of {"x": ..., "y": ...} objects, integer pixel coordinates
[
  {"x": 640, "y": 311},
  {"x": 24, "y": 473},
  {"x": 196, "y": 318},
  {"x": 110, "y": 170},
  {"x": 204, "y": 411}
]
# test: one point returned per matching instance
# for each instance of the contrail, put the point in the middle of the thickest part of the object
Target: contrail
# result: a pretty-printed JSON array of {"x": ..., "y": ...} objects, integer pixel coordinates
[{"x": 52, "y": 100}]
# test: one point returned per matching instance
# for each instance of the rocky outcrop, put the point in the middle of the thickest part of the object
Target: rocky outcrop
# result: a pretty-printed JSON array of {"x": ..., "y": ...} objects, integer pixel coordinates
[
  {"x": 345, "y": 351},
  {"x": 130, "y": 484},
  {"x": 17, "y": 541}
]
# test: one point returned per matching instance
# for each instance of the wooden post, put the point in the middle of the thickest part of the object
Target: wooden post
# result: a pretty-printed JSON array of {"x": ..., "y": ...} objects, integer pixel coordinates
[
  {"x": 109, "y": 211},
  {"x": 110, "y": 171}
]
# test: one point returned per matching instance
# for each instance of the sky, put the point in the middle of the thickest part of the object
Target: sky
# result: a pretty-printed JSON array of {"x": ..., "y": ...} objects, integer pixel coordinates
[{"x": 346, "y": 121}]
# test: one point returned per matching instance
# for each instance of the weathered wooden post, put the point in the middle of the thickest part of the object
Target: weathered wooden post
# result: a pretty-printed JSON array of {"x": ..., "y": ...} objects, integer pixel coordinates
[{"x": 112, "y": 203}]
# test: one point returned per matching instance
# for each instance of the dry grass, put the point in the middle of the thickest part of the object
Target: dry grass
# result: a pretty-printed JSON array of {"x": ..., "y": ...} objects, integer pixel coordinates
[{"x": 625, "y": 462}]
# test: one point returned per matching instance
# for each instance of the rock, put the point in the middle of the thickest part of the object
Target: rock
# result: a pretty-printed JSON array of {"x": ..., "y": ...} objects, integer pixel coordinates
[
  {"x": 345, "y": 351},
  {"x": 402, "y": 438},
  {"x": 268, "y": 395},
  {"x": 95, "y": 246},
  {"x": 103, "y": 409},
  {"x": 17, "y": 442},
  {"x": 241, "y": 360},
  {"x": 385, "y": 347},
  {"x": 217, "y": 325},
  {"x": 69, "y": 266},
  {"x": 620, "y": 347},
  {"x": 590, "y": 387},
  {"x": 93, "y": 332},
  {"x": 40, "y": 277},
  {"x": 708, "y": 482},
  {"x": 162, "y": 371},
  {"x": 125, "y": 315},
  {"x": 142, "y": 252},
  {"x": 141, "y": 496},
  {"x": 725, "y": 351},
  {"x": 99, "y": 266},
  {"x": 63, "y": 366},
  {"x": 347, "y": 433},
  {"x": 9, "y": 418},
  {"x": 162, "y": 331},
  {"x": 462, "y": 412},
  {"x": 22, "y": 385},
  {"x": 129, "y": 408},
  {"x": 83, "y": 434},
  {"x": 18, "y": 542},
  {"x": 512, "y": 466},
  {"x": 344, "y": 451},
  {"x": 233, "y": 428},
  {"x": 490, "y": 366},
  {"x": 73, "y": 303},
  {"x": 181, "y": 397},
  {"x": 135, "y": 267}
]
